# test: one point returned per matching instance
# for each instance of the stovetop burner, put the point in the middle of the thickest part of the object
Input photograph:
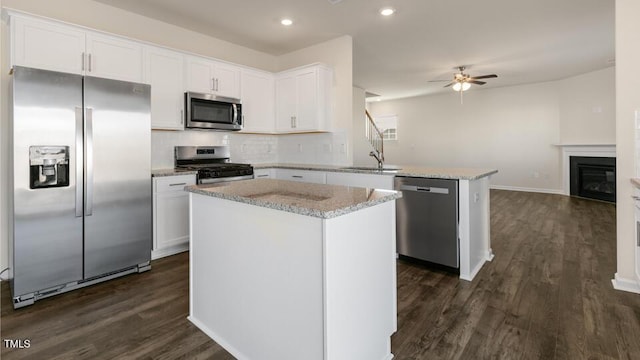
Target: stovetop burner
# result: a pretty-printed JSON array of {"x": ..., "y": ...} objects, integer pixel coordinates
[{"x": 211, "y": 163}]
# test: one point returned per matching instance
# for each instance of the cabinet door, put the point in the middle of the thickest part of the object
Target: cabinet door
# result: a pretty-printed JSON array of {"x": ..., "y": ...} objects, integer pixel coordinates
[
  {"x": 172, "y": 219},
  {"x": 163, "y": 71},
  {"x": 371, "y": 181},
  {"x": 263, "y": 173},
  {"x": 114, "y": 58},
  {"x": 43, "y": 45},
  {"x": 285, "y": 103},
  {"x": 309, "y": 176},
  {"x": 227, "y": 80},
  {"x": 258, "y": 98},
  {"x": 307, "y": 101},
  {"x": 170, "y": 214},
  {"x": 199, "y": 75}
]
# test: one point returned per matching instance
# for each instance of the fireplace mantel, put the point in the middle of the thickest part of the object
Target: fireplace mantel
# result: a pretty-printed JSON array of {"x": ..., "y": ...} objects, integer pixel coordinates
[{"x": 595, "y": 150}]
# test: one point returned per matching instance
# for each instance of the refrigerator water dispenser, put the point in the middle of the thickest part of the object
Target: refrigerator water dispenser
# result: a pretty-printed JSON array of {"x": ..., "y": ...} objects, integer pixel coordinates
[{"x": 49, "y": 166}]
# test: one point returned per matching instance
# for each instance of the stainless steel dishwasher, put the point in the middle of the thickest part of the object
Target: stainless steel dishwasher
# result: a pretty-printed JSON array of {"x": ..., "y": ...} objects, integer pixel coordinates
[{"x": 427, "y": 220}]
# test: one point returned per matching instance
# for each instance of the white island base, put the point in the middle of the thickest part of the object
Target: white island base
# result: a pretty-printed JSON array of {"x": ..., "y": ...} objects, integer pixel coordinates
[{"x": 269, "y": 284}]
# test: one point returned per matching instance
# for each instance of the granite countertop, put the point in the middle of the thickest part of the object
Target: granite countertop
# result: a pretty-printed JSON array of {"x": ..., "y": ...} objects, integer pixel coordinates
[
  {"x": 317, "y": 200},
  {"x": 395, "y": 170},
  {"x": 171, "y": 172},
  {"x": 635, "y": 182}
]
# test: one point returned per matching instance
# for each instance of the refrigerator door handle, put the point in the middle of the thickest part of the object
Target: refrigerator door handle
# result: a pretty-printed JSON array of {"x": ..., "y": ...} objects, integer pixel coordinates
[
  {"x": 79, "y": 160},
  {"x": 88, "y": 161}
]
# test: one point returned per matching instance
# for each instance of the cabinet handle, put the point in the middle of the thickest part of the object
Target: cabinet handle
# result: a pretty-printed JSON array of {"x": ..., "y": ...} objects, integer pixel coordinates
[
  {"x": 83, "y": 61},
  {"x": 217, "y": 85},
  {"x": 264, "y": 175},
  {"x": 89, "y": 62},
  {"x": 213, "y": 84},
  {"x": 178, "y": 184},
  {"x": 297, "y": 176}
]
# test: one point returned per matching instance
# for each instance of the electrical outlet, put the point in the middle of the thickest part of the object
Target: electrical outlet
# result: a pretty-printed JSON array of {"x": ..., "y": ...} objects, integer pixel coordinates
[
  {"x": 476, "y": 197},
  {"x": 535, "y": 174},
  {"x": 299, "y": 148}
]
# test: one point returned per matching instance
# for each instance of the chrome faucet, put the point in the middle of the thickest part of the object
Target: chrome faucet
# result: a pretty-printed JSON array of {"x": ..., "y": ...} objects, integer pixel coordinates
[{"x": 379, "y": 158}]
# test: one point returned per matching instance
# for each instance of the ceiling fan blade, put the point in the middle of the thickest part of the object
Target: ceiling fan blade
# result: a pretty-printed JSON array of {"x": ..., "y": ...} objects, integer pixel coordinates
[
  {"x": 477, "y": 82},
  {"x": 438, "y": 80},
  {"x": 451, "y": 83},
  {"x": 483, "y": 77}
]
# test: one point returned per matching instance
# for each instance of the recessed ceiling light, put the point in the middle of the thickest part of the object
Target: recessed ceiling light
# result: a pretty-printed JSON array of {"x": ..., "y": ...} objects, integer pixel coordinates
[
  {"x": 286, "y": 22},
  {"x": 387, "y": 11}
]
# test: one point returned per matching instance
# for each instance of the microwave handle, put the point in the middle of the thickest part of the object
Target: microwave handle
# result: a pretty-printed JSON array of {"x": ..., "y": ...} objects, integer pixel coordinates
[{"x": 235, "y": 113}]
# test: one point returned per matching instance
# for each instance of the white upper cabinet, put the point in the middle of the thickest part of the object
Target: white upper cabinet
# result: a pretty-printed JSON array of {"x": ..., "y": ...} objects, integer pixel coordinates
[
  {"x": 303, "y": 99},
  {"x": 212, "y": 77},
  {"x": 45, "y": 45},
  {"x": 258, "y": 98},
  {"x": 52, "y": 46},
  {"x": 163, "y": 70},
  {"x": 113, "y": 58}
]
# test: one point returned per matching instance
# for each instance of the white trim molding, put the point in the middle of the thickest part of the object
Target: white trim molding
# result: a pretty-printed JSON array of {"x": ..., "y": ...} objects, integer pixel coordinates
[
  {"x": 620, "y": 283},
  {"x": 526, "y": 189},
  {"x": 594, "y": 150}
]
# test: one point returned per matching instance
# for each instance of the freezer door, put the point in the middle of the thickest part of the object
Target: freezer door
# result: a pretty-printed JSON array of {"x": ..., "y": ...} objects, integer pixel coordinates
[
  {"x": 46, "y": 129},
  {"x": 117, "y": 175}
]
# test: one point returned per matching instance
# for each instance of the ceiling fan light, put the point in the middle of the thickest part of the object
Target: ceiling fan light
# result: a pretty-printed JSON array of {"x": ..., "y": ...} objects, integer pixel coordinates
[{"x": 461, "y": 86}]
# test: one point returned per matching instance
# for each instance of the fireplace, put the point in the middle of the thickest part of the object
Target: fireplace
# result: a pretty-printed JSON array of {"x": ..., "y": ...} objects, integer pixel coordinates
[{"x": 593, "y": 177}]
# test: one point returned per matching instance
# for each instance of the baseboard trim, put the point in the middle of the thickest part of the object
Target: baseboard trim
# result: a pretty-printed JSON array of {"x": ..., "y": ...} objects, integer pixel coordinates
[
  {"x": 622, "y": 284},
  {"x": 525, "y": 189},
  {"x": 210, "y": 333}
]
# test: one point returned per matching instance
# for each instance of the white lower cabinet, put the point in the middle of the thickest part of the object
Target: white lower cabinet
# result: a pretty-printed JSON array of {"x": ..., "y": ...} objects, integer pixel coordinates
[
  {"x": 310, "y": 176},
  {"x": 170, "y": 215},
  {"x": 263, "y": 173},
  {"x": 372, "y": 181}
]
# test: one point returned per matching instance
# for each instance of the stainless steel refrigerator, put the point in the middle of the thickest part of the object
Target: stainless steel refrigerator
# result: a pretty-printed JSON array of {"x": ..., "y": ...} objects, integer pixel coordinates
[{"x": 81, "y": 182}]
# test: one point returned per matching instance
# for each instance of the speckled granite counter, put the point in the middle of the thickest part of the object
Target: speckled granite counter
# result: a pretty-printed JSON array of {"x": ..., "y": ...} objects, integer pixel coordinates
[
  {"x": 397, "y": 170},
  {"x": 322, "y": 201},
  {"x": 171, "y": 172}
]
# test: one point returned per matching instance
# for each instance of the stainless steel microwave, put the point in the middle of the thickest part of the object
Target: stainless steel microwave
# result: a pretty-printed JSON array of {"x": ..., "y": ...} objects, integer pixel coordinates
[{"x": 210, "y": 112}]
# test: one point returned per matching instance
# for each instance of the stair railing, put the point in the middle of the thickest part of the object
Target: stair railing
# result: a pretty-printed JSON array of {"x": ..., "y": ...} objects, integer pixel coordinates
[{"x": 374, "y": 135}]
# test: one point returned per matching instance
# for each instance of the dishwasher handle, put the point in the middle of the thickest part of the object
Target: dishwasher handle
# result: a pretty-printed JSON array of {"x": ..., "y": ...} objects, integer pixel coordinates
[{"x": 434, "y": 190}]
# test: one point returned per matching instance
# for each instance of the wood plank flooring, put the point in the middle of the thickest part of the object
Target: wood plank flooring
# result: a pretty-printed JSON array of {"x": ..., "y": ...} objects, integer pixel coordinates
[{"x": 546, "y": 295}]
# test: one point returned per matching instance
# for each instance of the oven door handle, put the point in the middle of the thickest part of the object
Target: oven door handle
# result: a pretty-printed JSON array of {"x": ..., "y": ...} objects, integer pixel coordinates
[{"x": 224, "y": 179}]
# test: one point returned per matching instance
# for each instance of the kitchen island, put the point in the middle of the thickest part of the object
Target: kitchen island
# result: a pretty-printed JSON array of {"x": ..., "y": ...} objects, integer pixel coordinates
[
  {"x": 473, "y": 198},
  {"x": 289, "y": 270}
]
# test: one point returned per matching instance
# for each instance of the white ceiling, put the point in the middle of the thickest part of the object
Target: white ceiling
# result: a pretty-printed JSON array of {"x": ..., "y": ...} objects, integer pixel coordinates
[{"x": 523, "y": 41}]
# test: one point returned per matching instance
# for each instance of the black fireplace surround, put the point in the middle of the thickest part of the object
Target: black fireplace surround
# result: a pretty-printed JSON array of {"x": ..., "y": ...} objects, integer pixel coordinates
[{"x": 593, "y": 177}]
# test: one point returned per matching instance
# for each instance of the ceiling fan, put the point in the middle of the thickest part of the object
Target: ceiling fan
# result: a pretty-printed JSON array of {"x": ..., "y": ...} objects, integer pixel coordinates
[{"x": 462, "y": 81}]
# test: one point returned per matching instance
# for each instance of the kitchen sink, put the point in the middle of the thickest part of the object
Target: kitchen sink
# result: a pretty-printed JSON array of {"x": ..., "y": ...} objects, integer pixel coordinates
[{"x": 372, "y": 168}]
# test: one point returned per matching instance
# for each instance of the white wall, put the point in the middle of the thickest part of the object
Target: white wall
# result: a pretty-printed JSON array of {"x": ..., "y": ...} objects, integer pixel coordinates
[
  {"x": 587, "y": 108},
  {"x": 325, "y": 148},
  {"x": 627, "y": 101},
  {"x": 512, "y": 129}
]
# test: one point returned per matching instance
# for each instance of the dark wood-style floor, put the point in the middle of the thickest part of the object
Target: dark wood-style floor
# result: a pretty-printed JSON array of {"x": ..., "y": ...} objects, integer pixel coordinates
[{"x": 546, "y": 295}]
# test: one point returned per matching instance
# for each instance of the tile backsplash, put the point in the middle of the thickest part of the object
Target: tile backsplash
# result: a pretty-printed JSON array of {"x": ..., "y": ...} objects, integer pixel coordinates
[{"x": 324, "y": 148}]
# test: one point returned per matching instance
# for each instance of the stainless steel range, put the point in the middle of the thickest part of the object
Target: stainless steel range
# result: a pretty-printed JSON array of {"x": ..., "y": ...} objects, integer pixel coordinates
[{"x": 211, "y": 163}]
